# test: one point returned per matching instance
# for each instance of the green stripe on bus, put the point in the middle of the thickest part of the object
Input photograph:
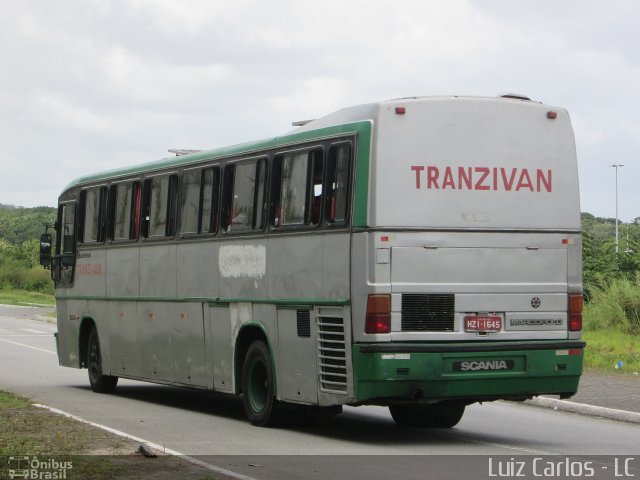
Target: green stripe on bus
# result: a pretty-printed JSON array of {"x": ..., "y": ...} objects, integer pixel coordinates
[{"x": 361, "y": 182}]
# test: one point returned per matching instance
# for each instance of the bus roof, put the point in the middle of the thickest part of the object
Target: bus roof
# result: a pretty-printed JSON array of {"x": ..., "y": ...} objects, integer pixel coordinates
[
  {"x": 180, "y": 161},
  {"x": 344, "y": 121}
]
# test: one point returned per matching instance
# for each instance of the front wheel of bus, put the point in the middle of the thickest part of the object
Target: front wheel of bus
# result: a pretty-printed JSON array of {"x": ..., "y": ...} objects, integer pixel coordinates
[
  {"x": 258, "y": 392},
  {"x": 100, "y": 383},
  {"x": 437, "y": 415}
]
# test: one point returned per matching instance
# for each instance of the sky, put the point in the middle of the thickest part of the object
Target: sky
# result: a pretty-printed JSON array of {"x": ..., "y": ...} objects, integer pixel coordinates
[{"x": 91, "y": 85}]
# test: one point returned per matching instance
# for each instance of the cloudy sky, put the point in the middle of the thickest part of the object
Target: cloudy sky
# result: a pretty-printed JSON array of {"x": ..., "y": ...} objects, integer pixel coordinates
[{"x": 90, "y": 85}]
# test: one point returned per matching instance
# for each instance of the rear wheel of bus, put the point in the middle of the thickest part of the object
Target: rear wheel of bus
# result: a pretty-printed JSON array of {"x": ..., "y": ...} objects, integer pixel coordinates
[
  {"x": 100, "y": 382},
  {"x": 438, "y": 415},
  {"x": 258, "y": 394}
]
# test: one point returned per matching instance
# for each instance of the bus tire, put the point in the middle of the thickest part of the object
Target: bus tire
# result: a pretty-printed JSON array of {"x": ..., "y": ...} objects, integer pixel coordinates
[
  {"x": 258, "y": 394},
  {"x": 438, "y": 415},
  {"x": 100, "y": 383}
]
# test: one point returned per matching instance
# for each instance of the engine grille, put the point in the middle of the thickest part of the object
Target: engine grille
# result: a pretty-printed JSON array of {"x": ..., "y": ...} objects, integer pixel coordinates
[
  {"x": 333, "y": 355},
  {"x": 427, "y": 312}
]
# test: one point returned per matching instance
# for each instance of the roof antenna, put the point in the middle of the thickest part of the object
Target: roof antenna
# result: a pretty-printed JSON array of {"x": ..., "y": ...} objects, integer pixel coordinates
[
  {"x": 301, "y": 123},
  {"x": 182, "y": 151}
]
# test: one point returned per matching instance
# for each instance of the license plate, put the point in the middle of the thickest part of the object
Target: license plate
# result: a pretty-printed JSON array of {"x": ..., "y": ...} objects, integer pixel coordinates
[{"x": 482, "y": 323}]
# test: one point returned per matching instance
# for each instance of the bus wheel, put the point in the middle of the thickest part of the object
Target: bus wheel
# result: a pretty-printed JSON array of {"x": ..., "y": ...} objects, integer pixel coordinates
[
  {"x": 438, "y": 415},
  {"x": 258, "y": 396},
  {"x": 100, "y": 383}
]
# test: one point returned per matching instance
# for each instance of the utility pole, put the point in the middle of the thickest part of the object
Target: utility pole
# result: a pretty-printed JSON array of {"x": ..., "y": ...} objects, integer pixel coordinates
[{"x": 616, "y": 166}]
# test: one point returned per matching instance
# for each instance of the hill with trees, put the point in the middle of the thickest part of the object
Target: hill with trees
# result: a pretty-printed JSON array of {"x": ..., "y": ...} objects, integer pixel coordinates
[{"x": 20, "y": 230}]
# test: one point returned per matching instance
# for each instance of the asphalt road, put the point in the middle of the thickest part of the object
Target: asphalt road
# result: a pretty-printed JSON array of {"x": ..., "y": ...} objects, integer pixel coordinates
[{"x": 213, "y": 427}]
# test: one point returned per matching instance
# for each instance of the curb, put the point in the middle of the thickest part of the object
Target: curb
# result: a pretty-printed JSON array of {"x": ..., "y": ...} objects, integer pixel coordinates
[
  {"x": 584, "y": 409},
  {"x": 145, "y": 445}
]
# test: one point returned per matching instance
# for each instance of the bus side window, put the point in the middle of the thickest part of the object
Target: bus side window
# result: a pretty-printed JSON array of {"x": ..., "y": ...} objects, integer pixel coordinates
[
  {"x": 136, "y": 211},
  {"x": 67, "y": 221},
  {"x": 111, "y": 212},
  {"x": 227, "y": 196},
  {"x": 297, "y": 194},
  {"x": 161, "y": 203},
  {"x": 93, "y": 206},
  {"x": 337, "y": 187},
  {"x": 244, "y": 196},
  {"x": 210, "y": 200},
  {"x": 172, "y": 207},
  {"x": 315, "y": 188},
  {"x": 190, "y": 200},
  {"x": 65, "y": 244},
  {"x": 293, "y": 189},
  {"x": 124, "y": 202},
  {"x": 274, "y": 205},
  {"x": 199, "y": 201},
  {"x": 261, "y": 195}
]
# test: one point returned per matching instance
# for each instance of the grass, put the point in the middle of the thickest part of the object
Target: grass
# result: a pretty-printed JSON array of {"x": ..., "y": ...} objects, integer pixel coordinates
[
  {"x": 606, "y": 347},
  {"x": 614, "y": 305},
  {"x": 29, "y": 431},
  {"x": 25, "y": 298}
]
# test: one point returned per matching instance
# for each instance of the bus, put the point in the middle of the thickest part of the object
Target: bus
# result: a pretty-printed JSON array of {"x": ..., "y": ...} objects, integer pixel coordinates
[{"x": 421, "y": 253}]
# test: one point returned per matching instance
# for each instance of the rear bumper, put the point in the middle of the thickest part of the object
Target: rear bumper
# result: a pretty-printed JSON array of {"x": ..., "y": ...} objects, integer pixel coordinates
[{"x": 395, "y": 372}]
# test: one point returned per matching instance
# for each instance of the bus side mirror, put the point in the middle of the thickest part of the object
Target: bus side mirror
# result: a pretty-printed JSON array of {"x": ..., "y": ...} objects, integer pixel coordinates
[{"x": 46, "y": 241}]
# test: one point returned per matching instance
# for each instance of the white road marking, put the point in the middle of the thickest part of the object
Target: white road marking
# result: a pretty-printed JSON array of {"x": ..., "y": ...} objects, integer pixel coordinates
[
  {"x": 31, "y": 330},
  {"x": 30, "y": 335},
  {"x": 155, "y": 446},
  {"x": 513, "y": 447},
  {"x": 28, "y": 346}
]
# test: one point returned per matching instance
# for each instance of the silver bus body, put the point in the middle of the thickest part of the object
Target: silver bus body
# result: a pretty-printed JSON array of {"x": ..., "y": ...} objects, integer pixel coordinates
[{"x": 455, "y": 276}]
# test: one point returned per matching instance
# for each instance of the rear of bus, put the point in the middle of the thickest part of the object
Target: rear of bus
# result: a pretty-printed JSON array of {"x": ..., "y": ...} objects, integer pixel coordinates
[{"x": 467, "y": 280}]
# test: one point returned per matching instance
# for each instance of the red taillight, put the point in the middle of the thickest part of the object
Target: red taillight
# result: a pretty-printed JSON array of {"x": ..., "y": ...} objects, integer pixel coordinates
[
  {"x": 574, "y": 312},
  {"x": 378, "y": 318},
  {"x": 401, "y": 110},
  {"x": 552, "y": 115}
]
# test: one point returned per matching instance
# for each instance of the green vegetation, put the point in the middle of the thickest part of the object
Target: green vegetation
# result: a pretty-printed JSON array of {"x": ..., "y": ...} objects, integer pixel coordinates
[
  {"x": 600, "y": 261},
  {"x": 20, "y": 230},
  {"x": 26, "y": 298},
  {"x": 19, "y": 225},
  {"x": 614, "y": 305},
  {"x": 605, "y": 349},
  {"x": 26, "y": 430},
  {"x": 612, "y": 294}
]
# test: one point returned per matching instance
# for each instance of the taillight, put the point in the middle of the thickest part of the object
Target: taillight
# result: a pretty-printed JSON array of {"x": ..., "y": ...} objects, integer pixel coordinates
[
  {"x": 574, "y": 312},
  {"x": 378, "y": 319}
]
